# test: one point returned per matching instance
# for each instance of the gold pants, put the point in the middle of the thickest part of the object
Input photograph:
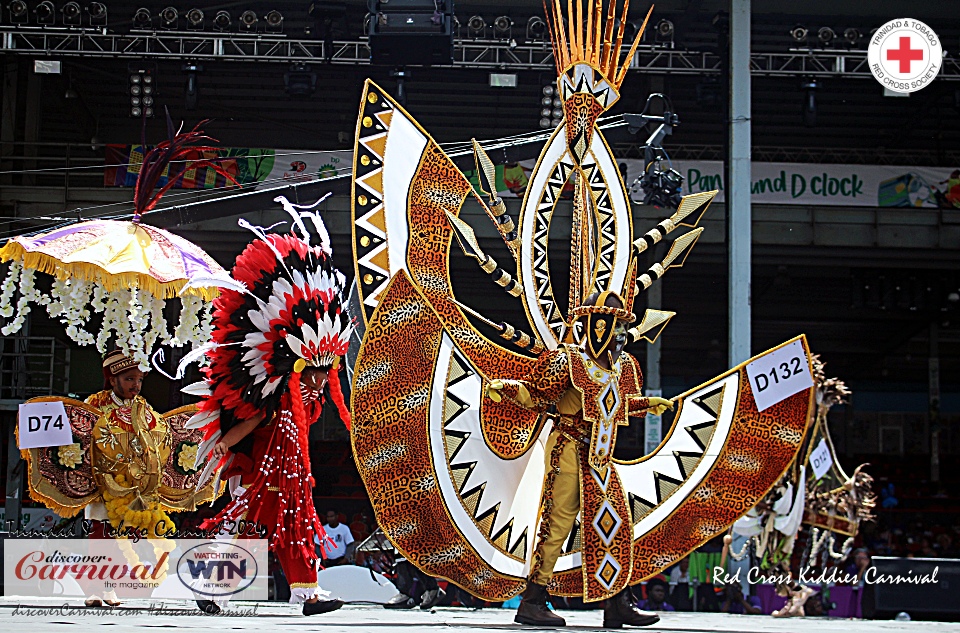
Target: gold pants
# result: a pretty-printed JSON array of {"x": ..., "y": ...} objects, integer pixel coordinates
[{"x": 566, "y": 506}]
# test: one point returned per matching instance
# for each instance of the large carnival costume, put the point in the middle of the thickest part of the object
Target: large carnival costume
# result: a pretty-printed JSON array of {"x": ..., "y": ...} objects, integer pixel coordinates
[
  {"x": 279, "y": 321},
  {"x": 455, "y": 477}
]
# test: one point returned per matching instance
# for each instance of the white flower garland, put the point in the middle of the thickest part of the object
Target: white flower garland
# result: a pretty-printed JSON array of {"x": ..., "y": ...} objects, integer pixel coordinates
[
  {"x": 9, "y": 288},
  {"x": 132, "y": 318}
]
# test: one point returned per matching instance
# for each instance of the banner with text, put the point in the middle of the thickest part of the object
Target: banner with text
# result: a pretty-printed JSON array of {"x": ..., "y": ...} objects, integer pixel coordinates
[
  {"x": 248, "y": 166},
  {"x": 789, "y": 183}
]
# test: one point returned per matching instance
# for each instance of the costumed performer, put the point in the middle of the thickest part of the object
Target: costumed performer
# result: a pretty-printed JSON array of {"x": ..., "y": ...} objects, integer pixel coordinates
[
  {"x": 277, "y": 341},
  {"x": 586, "y": 383},
  {"x": 128, "y": 468}
]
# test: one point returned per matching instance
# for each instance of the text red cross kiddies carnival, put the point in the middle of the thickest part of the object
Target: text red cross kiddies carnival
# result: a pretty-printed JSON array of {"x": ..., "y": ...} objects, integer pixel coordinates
[{"x": 905, "y": 54}]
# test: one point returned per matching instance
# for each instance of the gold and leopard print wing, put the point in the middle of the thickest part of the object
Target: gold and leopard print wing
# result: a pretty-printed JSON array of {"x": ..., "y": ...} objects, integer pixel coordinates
[{"x": 61, "y": 477}]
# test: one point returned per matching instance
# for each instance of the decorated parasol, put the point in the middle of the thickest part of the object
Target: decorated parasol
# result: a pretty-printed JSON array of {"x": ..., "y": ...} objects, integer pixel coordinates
[{"x": 124, "y": 270}]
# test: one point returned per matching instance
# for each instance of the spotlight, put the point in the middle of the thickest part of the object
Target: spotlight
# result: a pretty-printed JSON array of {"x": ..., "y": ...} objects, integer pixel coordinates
[
  {"x": 630, "y": 31},
  {"x": 544, "y": 123},
  {"x": 140, "y": 81},
  {"x": 195, "y": 19},
  {"x": 555, "y": 121},
  {"x": 826, "y": 35},
  {"x": 274, "y": 21},
  {"x": 71, "y": 14},
  {"x": 248, "y": 20},
  {"x": 665, "y": 30},
  {"x": 222, "y": 21},
  {"x": 536, "y": 29},
  {"x": 851, "y": 36},
  {"x": 502, "y": 25},
  {"x": 300, "y": 82},
  {"x": 169, "y": 18},
  {"x": 46, "y": 13},
  {"x": 142, "y": 18},
  {"x": 98, "y": 13},
  {"x": 799, "y": 34},
  {"x": 548, "y": 91},
  {"x": 18, "y": 12},
  {"x": 476, "y": 25}
]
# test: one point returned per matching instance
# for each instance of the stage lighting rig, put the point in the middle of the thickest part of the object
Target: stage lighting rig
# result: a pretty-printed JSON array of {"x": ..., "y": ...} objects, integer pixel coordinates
[
  {"x": 142, "y": 18},
  {"x": 799, "y": 34},
  {"x": 659, "y": 185},
  {"x": 502, "y": 26},
  {"x": 536, "y": 29},
  {"x": 169, "y": 18},
  {"x": 18, "y": 12},
  {"x": 274, "y": 20},
  {"x": 476, "y": 26},
  {"x": 98, "y": 13},
  {"x": 46, "y": 13},
  {"x": 71, "y": 14},
  {"x": 851, "y": 36},
  {"x": 222, "y": 21},
  {"x": 195, "y": 19},
  {"x": 826, "y": 35},
  {"x": 248, "y": 20}
]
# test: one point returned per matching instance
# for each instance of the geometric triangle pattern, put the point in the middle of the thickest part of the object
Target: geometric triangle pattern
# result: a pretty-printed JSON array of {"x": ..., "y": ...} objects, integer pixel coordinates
[{"x": 370, "y": 229}]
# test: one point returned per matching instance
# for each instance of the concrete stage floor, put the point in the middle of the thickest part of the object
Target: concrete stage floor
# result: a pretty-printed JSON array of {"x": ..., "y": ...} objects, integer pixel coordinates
[{"x": 47, "y": 615}]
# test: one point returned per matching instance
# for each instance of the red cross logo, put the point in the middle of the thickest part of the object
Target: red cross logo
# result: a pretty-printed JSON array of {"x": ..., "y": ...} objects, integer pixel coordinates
[{"x": 905, "y": 54}]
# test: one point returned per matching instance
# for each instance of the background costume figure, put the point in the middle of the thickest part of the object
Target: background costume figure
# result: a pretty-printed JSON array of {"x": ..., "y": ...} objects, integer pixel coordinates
[
  {"x": 129, "y": 465},
  {"x": 278, "y": 334},
  {"x": 595, "y": 388}
]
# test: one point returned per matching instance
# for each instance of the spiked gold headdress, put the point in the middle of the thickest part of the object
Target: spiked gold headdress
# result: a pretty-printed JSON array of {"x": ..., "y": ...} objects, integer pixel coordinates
[{"x": 590, "y": 38}]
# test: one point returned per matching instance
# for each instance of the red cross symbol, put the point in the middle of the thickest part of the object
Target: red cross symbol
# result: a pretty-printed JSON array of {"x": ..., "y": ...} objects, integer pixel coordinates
[{"x": 905, "y": 54}]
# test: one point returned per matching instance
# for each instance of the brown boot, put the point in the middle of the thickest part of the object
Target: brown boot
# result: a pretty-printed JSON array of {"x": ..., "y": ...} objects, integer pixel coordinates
[
  {"x": 622, "y": 609},
  {"x": 533, "y": 608}
]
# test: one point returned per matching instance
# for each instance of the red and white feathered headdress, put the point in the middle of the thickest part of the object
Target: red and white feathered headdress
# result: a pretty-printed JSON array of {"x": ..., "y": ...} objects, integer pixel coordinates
[{"x": 284, "y": 311}]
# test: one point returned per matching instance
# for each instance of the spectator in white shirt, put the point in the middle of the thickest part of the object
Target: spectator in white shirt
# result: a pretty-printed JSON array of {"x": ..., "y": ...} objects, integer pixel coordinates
[{"x": 338, "y": 547}]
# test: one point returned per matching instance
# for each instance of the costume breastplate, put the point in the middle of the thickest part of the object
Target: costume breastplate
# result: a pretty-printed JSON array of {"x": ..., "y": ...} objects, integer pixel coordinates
[{"x": 605, "y": 393}]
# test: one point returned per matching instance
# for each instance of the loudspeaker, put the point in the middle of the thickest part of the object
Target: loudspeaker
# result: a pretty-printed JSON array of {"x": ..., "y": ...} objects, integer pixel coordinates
[
  {"x": 411, "y": 32},
  {"x": 926, "y": 588}
]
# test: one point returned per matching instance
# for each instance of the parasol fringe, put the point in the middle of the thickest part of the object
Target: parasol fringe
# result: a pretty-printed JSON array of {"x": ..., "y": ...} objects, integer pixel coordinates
[{"x": 111, "y": 282}]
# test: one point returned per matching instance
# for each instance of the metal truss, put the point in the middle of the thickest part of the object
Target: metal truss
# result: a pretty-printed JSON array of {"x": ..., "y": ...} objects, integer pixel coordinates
[{"x": 468, "y": 53}]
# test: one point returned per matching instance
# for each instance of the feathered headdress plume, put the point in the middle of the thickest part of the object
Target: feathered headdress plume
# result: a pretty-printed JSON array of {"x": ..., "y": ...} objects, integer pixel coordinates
[
  {"x": 179, "y": 146},
  {"x": 282, "y": 312}
]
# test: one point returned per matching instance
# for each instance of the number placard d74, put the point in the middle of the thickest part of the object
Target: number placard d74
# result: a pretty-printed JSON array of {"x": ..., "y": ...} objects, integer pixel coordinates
[
  {"x": 778, "y": 375},
  {"x": 44, "y": 424}
]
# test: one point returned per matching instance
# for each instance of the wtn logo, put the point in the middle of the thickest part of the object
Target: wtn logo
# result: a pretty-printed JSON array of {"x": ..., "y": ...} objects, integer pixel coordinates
[{"x": 224, "y": 569}]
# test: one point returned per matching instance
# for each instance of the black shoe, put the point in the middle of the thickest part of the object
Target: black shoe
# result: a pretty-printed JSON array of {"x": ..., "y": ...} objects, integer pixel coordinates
[
  {"x": 209, "y": 607},
  {"x": 533, "y": 608},
  {"x": 622, "y": 609},
  {"x": 321, "y": 606},
  {"x": 400, "y": 601},
  {"x": 431, "y": 598}
]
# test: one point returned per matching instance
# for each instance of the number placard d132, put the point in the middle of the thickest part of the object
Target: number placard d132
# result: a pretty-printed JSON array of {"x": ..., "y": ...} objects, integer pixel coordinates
[
  {"x": 44, "y": 424},
  {"x": 778, "y": 375}
]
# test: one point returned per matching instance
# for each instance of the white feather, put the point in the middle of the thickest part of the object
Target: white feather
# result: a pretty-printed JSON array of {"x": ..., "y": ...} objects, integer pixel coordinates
[
  {"x": 297, "y": 220},
  {"x": 199, "y": 389},
  {"x": 201, "y": 419},
  {"x": 214, "y": 281},
  {"x": 206, "y": 446}
]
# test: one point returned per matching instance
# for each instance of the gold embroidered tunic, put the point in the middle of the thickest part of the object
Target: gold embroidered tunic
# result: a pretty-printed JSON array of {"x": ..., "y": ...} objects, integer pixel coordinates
[{"x": 131, "y": 443}]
